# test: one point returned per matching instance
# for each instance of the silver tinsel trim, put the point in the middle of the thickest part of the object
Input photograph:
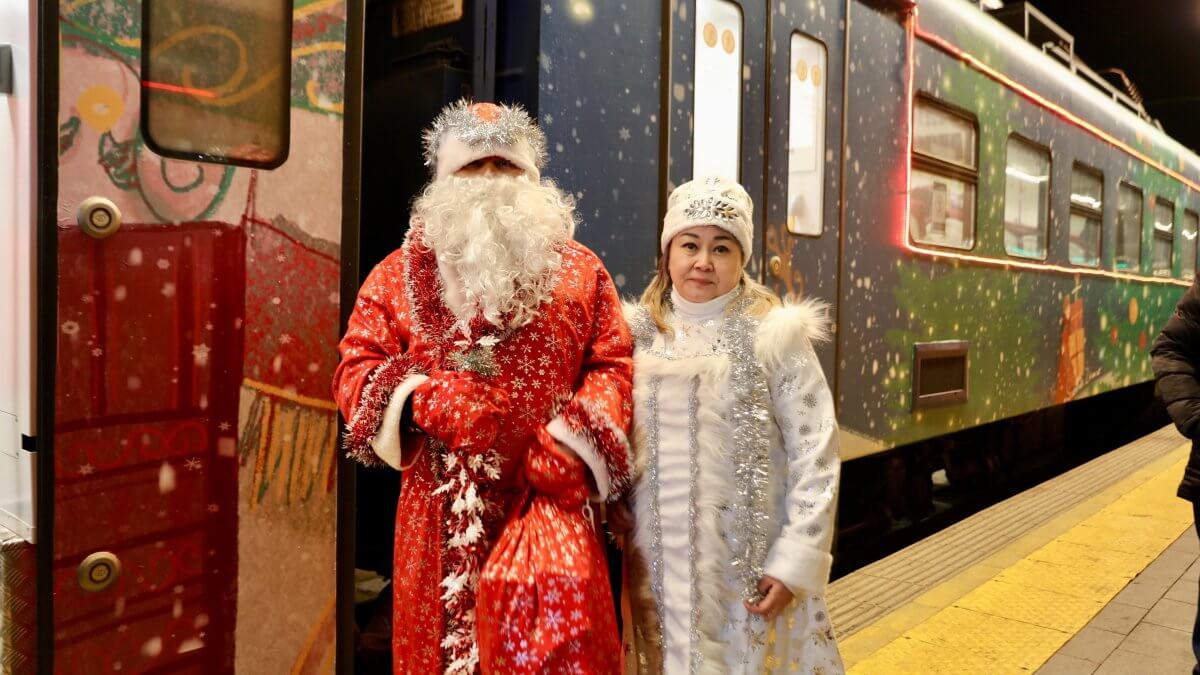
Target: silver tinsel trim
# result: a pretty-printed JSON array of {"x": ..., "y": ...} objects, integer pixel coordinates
[
  {"x": 693, "y": 478},
  {"x": 599, "y": 430},
  {"x": 512, "y": 124},
  {"x": 656, "y": 550},
  {"x": 751, "y": 420},
  {"x": 642, "y": 328}
]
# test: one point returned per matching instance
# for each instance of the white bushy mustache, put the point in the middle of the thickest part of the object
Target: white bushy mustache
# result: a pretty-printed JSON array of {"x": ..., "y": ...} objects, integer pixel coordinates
[{"x": 502, "y": 236}]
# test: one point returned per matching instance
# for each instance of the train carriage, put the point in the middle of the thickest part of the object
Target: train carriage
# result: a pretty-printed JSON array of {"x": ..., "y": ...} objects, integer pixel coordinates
[
  {"x": 193, "y": 192},
  {"x": 187, "y": 206}
]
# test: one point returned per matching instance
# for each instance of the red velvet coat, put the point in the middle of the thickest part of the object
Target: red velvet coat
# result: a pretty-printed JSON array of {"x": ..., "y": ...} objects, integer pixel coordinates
[{"x": 571, "y": 364}]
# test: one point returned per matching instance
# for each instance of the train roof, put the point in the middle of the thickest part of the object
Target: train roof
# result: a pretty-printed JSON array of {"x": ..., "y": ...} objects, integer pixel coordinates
[{"x": 968, "y": 27}]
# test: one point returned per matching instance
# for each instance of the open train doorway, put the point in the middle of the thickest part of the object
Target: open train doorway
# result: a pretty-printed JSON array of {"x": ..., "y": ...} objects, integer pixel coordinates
[{"x": 417, "y": 58}]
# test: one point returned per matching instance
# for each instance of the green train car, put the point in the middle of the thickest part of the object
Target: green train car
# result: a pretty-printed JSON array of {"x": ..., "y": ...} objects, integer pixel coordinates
[{"x": 1001, "y": 232}]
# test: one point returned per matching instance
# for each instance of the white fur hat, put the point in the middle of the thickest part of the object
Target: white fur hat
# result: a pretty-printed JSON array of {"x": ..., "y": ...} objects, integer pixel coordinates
[
  {"x": 710, "y": 201},
  {"x": 465, "y": 132}
]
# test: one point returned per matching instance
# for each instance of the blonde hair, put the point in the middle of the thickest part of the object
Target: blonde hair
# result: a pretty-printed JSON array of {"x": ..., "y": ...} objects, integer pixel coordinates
[{"x": 656, "y": 297}]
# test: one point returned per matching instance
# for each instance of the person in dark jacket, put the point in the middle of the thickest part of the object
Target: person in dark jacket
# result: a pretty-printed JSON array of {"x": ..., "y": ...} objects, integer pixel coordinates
[{"x": 1175, "y": 358}]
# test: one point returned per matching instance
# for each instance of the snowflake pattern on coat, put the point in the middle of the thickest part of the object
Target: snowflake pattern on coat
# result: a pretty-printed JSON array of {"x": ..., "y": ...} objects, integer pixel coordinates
[
  {"x": 545, "y": 604},
  {"x": 572, "y": 362}
]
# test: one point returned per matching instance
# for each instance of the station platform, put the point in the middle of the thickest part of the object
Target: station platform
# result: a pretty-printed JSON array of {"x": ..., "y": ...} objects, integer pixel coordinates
[{"x": 1094, "y": 571}]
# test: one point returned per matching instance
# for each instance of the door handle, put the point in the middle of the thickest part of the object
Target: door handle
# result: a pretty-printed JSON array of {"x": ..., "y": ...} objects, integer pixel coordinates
[
  {"x": 775, "y": 266},
  {"x": 6, "y": 69},
  {"x": 98, "y": 217},
  {"x": 99, "y": 571}
]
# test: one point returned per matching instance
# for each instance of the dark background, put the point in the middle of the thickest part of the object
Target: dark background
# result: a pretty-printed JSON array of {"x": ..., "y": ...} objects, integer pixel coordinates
[{"x": 1156, "y": 43}]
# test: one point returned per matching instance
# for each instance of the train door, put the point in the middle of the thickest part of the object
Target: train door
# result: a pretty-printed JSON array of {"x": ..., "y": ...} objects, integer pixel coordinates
[
  {"x": 198, "y": 231},
  {"x": 716, "y": 96},
  {"x": 18, "y": 94},
  {"x": 18, "y": 152},
  {"x": 755, "y": 94},
  {"x": 804, "y": 152}
]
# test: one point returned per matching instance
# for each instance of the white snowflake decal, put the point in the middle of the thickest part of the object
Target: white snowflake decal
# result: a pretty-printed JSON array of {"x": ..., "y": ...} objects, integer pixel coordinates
[{"x": 200, "y": 353}]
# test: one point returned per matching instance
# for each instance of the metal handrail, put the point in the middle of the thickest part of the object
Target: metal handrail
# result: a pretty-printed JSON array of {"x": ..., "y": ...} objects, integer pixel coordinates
[
  {"x": 1081, "y": 69},
  {"x": 1063, "y": 48}
]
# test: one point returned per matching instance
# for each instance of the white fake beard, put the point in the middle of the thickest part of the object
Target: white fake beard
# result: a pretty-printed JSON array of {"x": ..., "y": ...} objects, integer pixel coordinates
[{"x": 501, "y": 235}]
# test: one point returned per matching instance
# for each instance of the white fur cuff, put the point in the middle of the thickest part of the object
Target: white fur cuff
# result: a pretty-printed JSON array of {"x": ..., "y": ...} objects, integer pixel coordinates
[
  {"x": 563, "y": 434},
  {"x": 386, "y": 443},
  {"x": 799, "y": 567},
  {"x": 454, "y": 154}
]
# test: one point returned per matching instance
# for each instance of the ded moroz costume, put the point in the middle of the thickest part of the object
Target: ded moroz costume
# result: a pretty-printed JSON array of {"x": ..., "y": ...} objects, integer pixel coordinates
[{"x": 503, "y": 340}]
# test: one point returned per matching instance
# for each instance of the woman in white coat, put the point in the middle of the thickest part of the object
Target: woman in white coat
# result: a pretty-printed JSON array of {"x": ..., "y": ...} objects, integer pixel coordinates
[{"x": 736, "y": 448}]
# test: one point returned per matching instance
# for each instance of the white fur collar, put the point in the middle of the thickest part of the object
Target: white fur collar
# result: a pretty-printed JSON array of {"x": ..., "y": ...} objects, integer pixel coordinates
[
  {"x": 785, "y": 330},
  {"x": 781, "y": 332}
]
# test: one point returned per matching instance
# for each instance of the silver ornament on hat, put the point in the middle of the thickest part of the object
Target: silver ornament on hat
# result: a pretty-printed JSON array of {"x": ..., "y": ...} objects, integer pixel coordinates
[{"x": 712, "y": 209}]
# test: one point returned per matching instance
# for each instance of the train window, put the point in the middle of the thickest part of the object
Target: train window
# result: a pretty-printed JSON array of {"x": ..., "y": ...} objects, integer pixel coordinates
[
  {"x": 1164, "y": 238},
  {"x": 1087, "y": 207},
  {"x": 1187, "y": 245},
  {"x": 943, "y": 134},
  {"x": 217, "y": 80},
  {"x": 1026, "y": 199},
  {"x": 806, "y": 135},
  {"x": 716, "y": 117},
  {"x": 945, "y": 172},
  {"x": 1128, "y": 253}
]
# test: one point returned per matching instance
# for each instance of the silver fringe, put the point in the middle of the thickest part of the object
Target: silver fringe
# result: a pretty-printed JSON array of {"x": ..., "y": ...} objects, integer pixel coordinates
[
  {"x": 511, "y": 125},
  {"x": 697, "y": 660},
  {"x": 656, "y": 550},
  {"x": 751, "y": 420}
]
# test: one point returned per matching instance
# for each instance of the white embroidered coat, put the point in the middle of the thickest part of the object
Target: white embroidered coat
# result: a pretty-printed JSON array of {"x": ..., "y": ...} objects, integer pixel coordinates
[{"x": 761, "y": 484}]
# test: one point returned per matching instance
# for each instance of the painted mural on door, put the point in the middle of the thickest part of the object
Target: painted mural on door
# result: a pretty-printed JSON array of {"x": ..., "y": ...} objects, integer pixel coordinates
[{"x": 195, "y": 435}]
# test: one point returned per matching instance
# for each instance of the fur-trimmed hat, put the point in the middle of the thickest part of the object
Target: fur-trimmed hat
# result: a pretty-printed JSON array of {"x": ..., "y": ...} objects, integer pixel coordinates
[
  {"x": 710, "y": 201},
  {"x": 466, "y": 131}
]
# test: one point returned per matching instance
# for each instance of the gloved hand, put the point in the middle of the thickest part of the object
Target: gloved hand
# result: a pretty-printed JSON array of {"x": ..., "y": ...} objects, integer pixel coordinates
[
  {"x": 459, "y": 409},
  {"x": 554, "y": 473}
]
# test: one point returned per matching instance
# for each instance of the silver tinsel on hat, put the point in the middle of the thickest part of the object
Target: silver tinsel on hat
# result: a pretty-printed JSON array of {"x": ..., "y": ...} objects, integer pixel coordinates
[{"x": 512, "y": 124}]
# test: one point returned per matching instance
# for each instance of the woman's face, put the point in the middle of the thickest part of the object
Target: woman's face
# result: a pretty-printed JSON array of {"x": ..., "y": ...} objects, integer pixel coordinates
[{"x": 704, "y": 262}]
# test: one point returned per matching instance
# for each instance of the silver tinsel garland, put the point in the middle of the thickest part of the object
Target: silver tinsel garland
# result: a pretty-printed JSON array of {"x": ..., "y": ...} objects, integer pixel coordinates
[
  {"x": 511, "y": 124},
  {"x": 750, "y": 418}
]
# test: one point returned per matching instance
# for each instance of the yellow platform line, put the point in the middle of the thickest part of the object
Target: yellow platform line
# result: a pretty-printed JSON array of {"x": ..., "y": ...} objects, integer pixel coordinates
[{"x": 1012, "y": 611}]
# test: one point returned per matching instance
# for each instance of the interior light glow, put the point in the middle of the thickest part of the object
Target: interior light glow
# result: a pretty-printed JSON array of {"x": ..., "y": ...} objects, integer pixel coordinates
[{"x": 1027, "y": 177}]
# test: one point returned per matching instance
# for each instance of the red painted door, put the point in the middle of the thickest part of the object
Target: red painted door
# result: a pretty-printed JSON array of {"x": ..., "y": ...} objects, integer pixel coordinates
[{"x": 194, "y": 434}]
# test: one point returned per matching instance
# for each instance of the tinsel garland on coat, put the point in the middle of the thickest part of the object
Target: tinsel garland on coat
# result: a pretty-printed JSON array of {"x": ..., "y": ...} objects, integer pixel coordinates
[{"x": 751, "y": 371}]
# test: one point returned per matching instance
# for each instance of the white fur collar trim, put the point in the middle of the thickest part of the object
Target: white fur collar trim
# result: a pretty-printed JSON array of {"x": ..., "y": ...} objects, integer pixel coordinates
[{"x": 785, "y": 330}]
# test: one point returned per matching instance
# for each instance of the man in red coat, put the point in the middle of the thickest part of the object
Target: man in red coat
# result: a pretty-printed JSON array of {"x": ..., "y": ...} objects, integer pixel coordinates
[{"x": 489, "y": 332}]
